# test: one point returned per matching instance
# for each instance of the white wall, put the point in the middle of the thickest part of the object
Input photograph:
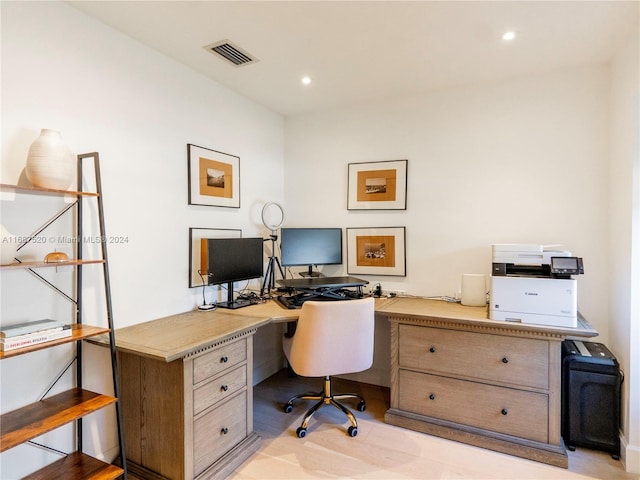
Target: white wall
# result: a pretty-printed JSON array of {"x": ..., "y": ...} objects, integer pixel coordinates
[
  {"x": 624, "y": 227},
  {"x": 138, "y": 109},
  {"x": 519, "y": 161}
]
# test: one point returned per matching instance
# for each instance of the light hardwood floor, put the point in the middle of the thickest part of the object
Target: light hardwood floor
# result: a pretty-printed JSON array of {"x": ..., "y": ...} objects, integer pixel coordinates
[{"x": 382, "y": 451}]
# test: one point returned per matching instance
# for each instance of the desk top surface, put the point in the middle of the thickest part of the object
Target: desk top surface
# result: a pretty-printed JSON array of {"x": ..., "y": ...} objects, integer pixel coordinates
[
  {"x": 420, "y": 308},
  {"x": 176, "y": 336}
]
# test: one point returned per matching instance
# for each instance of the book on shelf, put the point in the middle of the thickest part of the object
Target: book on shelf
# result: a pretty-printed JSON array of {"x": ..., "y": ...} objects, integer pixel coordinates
[
  {"x": 25, "y": 328},
  {"x": 39, "y": 332},
  {"x": 20, "y": 341}
]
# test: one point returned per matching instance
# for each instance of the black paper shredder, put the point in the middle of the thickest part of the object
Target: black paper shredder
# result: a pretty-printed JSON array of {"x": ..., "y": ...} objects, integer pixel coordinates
[{"x": 591, "y": 383}]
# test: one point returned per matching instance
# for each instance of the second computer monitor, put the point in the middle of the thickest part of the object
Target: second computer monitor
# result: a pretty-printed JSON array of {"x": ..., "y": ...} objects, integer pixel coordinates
[
  {"x": 310, "y": 246},
  {"x": 231, "y": 260}
]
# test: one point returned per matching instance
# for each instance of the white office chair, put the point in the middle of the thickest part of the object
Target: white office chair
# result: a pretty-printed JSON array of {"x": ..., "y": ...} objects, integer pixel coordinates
[{"x": 331, "y": 338}]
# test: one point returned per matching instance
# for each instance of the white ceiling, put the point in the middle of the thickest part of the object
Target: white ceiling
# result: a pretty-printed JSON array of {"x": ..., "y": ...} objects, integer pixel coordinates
[{"x": 366, "y": 51}]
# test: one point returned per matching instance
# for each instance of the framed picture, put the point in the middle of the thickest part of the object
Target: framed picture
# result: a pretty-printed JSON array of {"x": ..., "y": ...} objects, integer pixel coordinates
[
  {"x": 198, "y": 257},
  {"x": 376, "y": 251},
  {"x": 377, "y": 186},
  {"x": 214, "y": 177}
]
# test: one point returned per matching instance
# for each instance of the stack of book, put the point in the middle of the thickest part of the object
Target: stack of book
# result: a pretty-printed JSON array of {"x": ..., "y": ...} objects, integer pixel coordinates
[{"x": 32, "y": 333}]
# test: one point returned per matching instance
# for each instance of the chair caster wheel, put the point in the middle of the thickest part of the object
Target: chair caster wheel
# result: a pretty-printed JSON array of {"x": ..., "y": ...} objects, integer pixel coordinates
[
  {"x": 288, "y": 408},
  {"x": 571, "y": 448},
  {"x": 352, "y": 431},
  {"x": 301, "y": 432},
  {"x": 361, "y": 407}
]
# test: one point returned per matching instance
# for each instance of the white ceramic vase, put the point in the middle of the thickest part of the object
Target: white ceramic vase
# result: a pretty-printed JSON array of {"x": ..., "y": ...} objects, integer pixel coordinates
[
  {"x": 49, "y": 162},
  {"x": 8, "y": 246}
]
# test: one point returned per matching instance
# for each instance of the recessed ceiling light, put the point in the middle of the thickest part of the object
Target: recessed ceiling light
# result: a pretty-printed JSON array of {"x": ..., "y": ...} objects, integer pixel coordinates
[
  {"x": 508, "y": 36},
  {"x": 306, "y": 80}
]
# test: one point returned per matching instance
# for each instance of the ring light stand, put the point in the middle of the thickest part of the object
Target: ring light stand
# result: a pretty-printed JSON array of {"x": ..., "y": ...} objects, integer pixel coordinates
[{"x": 272, "y": 224}]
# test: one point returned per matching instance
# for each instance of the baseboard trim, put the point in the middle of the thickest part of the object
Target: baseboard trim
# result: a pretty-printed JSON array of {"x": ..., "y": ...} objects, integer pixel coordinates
[{"x": 629, "y": 455}]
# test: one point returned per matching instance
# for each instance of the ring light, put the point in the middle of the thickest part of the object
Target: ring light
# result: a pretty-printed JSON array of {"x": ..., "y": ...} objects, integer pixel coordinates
[{"x": 272, "y": 216}]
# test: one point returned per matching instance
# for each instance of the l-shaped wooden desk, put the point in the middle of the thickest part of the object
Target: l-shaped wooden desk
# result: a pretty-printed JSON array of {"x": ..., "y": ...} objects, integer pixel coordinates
[{"x": 186, "y": 384}]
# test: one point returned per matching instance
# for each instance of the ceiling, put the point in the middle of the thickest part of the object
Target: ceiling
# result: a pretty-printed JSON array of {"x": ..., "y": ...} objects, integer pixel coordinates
[{"x": 360, "y": 52}]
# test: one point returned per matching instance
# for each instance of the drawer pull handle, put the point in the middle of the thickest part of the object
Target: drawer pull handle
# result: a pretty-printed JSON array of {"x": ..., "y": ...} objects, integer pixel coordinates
[
  {"x": 432, "y": 396},
  {"x": 505, "y": 360},
  {"x": 224, "y": 388},
  {"x": 432, "y": 349},
  {"x": 224, "y": 359},
  {"x": 224, "y": 431},
  {"x": 504, "y": 411}
]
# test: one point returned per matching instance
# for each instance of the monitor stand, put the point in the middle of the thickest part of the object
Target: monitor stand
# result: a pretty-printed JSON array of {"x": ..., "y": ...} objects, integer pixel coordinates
[
  {"x": 235, "y": 304},
  {"x": 231, "y": 303},
  {"x": 310, "y": 273}
]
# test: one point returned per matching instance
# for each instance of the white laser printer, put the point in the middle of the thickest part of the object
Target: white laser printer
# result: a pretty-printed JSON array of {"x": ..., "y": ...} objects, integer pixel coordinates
[{"x": 533, "y": 284}]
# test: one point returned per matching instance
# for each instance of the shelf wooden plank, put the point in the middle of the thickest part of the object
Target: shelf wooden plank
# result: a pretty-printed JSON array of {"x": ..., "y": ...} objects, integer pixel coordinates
[
  {"x": 45, "y": 191},
  {"x": 31, "y": 421},
  {"x": 77, "y": 466},
  {"x": 78, "y": 332},
  {"x": 43, "y": 264}
]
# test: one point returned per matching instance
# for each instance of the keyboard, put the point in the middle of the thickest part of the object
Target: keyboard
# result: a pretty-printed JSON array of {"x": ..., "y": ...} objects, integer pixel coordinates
[
  {"x": 296, "y": 301},
  {"x": 312, "y": 283}
]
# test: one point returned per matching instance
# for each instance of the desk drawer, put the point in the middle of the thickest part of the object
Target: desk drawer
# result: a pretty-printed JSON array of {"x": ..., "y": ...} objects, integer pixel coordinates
[
  {"x": 219, "y": 388},
  {"x": 218, "y": 360},
  {"x": 496, "y": 358},
  {"x": 219, "y": 430},
  {"x": 499, "y": 409}
]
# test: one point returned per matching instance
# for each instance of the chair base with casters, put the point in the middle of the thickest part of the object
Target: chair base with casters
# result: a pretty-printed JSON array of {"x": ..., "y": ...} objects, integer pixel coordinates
[{"x": 326, "y": 398}]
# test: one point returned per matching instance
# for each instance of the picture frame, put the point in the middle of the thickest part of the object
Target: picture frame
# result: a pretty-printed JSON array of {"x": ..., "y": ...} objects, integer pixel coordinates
[
  {"x": 377, "y": 185},
  {"x": 196, "y": 236},
  {"x": 376, "y": 251},
  {"x": 214, "y": 177}
]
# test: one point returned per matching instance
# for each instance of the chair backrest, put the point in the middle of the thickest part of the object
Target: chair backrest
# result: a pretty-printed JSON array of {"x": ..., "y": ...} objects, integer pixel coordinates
[{"x": 333, "y": 338}]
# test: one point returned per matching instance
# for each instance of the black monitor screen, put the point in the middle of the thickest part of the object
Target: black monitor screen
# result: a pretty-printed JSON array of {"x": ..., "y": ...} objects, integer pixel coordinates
[
  {"x": 234, "y": 259},
  {"x": 311, "y": 246}
]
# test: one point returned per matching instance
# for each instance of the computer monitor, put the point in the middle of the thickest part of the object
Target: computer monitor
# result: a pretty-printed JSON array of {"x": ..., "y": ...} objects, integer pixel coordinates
[
  {"x": 232, "y": 260},
  {"x": 310, "y": 246}
]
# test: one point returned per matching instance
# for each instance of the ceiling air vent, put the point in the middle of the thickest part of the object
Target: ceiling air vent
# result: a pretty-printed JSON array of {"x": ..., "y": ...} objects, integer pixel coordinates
[{"x": 231, "y": 53}]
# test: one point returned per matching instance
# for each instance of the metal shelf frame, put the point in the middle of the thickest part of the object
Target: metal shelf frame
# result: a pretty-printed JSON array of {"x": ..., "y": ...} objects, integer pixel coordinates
[{"x": 79, "y": 263}]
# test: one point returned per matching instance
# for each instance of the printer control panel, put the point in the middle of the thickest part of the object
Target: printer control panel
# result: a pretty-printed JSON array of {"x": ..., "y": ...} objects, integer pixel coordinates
[{"x": 566, "y": 266}]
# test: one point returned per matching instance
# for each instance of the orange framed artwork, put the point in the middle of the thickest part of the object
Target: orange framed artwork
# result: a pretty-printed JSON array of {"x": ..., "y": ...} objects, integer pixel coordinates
[
  {"x": 377, "y": 185},
  {"x": 214, "y": 177},
  {"x": 376, "y": 251}
]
